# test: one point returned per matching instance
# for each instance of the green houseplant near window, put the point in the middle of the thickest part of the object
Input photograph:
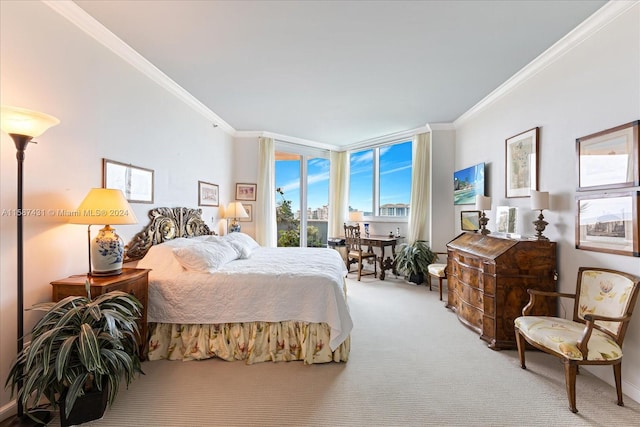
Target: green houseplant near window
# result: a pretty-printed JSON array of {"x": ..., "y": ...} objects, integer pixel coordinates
[
  {"x": 413, "y": 260},
  {"x": 79, "y": 346}
]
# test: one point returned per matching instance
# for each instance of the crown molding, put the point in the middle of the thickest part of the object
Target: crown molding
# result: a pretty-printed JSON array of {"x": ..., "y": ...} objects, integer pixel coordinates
[
  {"x": 385, "y": 139},
  {"x": 583, "y": 31},
  {"x": 286, "y": 138},
  {"x": 440, "y": 126},
  {"x": 81, "y": 19}
]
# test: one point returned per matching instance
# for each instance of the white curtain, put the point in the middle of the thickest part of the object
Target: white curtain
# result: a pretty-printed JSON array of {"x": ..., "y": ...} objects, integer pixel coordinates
[
  {"x": 266, "y": 227},
  {"x": 419, "y": 213},
  {"x": 338, "y": 192}
]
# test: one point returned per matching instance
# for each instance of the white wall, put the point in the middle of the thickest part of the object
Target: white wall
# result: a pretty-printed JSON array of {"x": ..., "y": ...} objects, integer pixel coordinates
[
  {"x": 593, "y": 87},
  {"x": 107, "y": 110}
]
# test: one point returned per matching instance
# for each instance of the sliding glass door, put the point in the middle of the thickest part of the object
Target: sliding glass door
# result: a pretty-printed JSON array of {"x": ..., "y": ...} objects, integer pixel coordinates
[{"x": 302, "y": 199}]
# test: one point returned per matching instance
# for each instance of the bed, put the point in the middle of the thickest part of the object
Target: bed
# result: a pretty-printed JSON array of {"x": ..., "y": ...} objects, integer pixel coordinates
[{"x": 228, "y": 297}]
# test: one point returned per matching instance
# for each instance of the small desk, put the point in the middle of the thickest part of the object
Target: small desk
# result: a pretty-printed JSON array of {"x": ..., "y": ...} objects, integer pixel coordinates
[
  {"x": 382, "y": 242},
  {"x": 377, "y": 242}
]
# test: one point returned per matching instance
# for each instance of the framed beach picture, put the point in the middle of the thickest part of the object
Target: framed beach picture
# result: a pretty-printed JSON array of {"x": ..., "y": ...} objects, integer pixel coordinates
[
  {"x": 246, "y": 192},
  {"x": 609, "y": 159},
  {"x": 470, "y": 220},
  {"x": 208, "y": 194},
  {"x": 467, "y": 183},
  {"x": 136, "y": 183},
  {"x": 608, "y": 223},
  {"x": 521, "y": 164}
]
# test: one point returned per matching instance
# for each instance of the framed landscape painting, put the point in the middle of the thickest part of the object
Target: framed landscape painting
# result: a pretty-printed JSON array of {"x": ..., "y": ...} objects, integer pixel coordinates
[
  {"x": 609, "y": 223},
  {"x": 136, "y": 183},
  {"x": 609, "y": 159}
]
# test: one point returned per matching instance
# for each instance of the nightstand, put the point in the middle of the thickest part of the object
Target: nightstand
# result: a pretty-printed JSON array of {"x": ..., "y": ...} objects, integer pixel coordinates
[{"x": 134, "y": 281}]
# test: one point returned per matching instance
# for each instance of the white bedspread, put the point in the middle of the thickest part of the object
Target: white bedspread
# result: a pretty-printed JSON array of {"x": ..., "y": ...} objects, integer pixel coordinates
[{"x": 273, "y": 285}]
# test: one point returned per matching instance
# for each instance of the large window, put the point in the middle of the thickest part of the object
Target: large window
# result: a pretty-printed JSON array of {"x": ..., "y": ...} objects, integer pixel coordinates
[
  {"x": 302, "y": 199},
  {"x": 380, "y": 180}
]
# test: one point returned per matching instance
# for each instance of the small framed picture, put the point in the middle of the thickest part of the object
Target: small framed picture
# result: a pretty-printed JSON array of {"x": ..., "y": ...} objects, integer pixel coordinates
[
  {"x": 470, "y": 220},
  {"x": 521, "y": 164},
  {"x": 208, "y": 194},
  {"x": 246, "y": 192},
  {"x": 506, "y": 219},
  {"x": 609, "y": 159},
  {"x": 249, "y": 208},
  {"x": 136, "y": 183},
  {"x": 608, "y": 223}
]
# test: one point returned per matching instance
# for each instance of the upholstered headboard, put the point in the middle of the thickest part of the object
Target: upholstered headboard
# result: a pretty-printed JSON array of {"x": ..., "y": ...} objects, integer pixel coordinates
[{"x": 166, "y": 224}]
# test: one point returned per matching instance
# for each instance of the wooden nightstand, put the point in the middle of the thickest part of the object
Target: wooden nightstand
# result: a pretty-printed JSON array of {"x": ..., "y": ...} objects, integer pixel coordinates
[{"x": 134, "y": 281}]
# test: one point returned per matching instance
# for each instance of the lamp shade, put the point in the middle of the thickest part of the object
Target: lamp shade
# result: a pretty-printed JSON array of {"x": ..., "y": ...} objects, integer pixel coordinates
[
  {"x": 104, "y": 206},
  {"x": 20, "y": 121},
  {"x": 539, "y": 200},
  {"x": 355, "y": 216},
  {"x": 483, "y": 203},
  {"x": 235, "y": 210}
]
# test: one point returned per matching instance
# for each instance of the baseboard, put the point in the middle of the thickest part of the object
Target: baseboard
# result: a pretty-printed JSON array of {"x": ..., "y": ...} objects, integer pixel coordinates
[{"x": 8, "y": 410}]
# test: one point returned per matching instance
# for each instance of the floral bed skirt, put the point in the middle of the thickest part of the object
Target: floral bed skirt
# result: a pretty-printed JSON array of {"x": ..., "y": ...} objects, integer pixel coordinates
[{"x": 253, "y": 342}]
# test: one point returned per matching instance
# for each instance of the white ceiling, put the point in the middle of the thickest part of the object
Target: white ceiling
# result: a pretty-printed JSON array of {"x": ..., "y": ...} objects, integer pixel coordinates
[{"x": 339, "y": 72}]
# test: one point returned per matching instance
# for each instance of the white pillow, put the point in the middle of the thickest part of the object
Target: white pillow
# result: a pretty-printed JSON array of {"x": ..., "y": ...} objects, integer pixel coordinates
[
  {"x": 205, "y": 257},
  {"x": 243, "y": 243}
]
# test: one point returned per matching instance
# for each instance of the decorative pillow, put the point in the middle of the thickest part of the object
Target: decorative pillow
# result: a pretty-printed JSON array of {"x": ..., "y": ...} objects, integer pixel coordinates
[
  {"x": 242, "y": 243},
  {"x": 205, "y": 257}
]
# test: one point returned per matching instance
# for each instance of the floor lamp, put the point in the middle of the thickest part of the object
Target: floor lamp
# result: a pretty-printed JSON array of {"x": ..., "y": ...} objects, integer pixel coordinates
[{"x": 22, "y": 126}]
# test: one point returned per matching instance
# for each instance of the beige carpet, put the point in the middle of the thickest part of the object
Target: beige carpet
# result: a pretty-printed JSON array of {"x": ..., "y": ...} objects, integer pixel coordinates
[{"x": 412, "y": 364}]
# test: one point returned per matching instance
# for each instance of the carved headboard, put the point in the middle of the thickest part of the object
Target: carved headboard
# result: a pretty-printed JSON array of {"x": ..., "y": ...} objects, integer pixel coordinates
[{"x": 166, "y": 224}]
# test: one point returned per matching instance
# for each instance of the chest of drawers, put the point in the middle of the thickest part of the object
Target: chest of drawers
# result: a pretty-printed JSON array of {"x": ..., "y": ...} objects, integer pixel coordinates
[{"x": 488, "y": 278}]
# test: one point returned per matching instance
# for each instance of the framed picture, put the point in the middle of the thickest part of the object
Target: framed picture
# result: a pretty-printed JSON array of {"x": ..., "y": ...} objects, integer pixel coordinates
[
  {"x": 249, "y": 208},
  {"x": 521, "y": 164},
  {"x": 246, "y": 192},
  {"x": 609, "y": 159},
  {"x": 467, "y": 183},
  {"x": 608, "y": 223},
  {"x": 506, "y": 219},
  {"x": 136, "y": 183},
  {"x": 470, "y": 220},
  {"x": 208, "y": 194}
]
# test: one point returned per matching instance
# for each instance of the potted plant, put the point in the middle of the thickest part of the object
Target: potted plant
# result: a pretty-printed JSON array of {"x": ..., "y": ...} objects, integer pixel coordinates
[
  {"x": 413, "y": 260},
  {"x": 79, "y": 351}
]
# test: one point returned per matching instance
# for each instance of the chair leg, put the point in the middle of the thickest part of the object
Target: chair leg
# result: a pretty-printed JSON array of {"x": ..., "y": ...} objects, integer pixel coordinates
[
  {"x": 520, "y": 342},
  {"x": 359, "y": 269},
  {"x": 440, "y": 284},
  {"x": 570, "y": 370},
  {"x": 429, "y": 277},
  {"x": 617, "y": 374}
]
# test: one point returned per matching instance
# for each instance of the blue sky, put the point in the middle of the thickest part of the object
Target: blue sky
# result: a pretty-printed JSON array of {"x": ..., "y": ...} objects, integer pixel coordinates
[
  {"x": 395, "y": 178},
  {"x": 288, "y": 179}
]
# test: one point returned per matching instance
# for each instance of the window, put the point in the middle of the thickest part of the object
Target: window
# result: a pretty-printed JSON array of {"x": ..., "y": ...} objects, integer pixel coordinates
[{"x": 380, "y": 180}]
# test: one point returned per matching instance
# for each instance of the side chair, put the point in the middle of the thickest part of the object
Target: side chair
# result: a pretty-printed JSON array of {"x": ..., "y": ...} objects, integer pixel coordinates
[
  {"x": 603, "y": 305},
  {"x": 438, "y": 270},
  {"x": 355, "y": 253}
]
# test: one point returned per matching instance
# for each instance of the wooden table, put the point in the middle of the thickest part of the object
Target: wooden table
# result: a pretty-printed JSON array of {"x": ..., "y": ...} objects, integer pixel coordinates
[{"x": 382, "y": 242}]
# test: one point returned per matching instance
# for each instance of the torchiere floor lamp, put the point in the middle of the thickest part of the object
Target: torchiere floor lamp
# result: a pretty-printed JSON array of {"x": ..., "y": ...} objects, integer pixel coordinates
[{"x": 23, "y": 125}]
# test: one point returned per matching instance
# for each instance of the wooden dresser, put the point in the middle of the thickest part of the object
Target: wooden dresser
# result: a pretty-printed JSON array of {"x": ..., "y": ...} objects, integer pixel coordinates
[{"x": 488, "y": 279}]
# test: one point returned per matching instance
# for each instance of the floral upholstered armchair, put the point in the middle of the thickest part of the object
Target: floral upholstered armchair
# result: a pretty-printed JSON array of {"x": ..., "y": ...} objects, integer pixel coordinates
[{"x": 604, "y": 303}]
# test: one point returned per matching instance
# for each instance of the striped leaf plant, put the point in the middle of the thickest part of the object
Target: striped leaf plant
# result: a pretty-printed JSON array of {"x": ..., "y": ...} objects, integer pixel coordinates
[{"x": 79, "y": 345}]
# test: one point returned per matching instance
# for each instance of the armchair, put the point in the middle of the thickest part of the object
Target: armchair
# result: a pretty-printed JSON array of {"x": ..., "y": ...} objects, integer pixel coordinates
[
  {"x": 604, "y": 302},
  {"x": 355, "y": 254}
]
